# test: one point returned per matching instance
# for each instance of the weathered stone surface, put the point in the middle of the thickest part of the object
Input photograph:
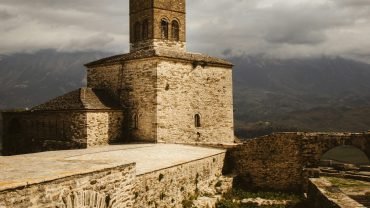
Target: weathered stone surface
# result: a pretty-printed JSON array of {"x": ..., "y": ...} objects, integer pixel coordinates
[
  {"x": 271, "y": 162},
  {"x": 285, "y": 161},
  {"x": 81, "y": 99},
  {"x": 321, "y": 193},
  {"x": 104, "y": 128},
  {"x": 184, "y": 91},
  {"x": 195, "y": 58},
  {"x": 38, "y": 131},
  {"x": 169, "y": 187},
  {"x": 101, "y": 189},
  {"x": 28, "y": 132},
  {"x": 153, "y": 12},
  {"x": 163, "y": 96},
  {"x": 108, "y": 176}
]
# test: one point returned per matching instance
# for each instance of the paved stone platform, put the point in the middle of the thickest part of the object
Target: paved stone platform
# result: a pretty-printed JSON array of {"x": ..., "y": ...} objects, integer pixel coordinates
[{"x": 23, "y": 170}]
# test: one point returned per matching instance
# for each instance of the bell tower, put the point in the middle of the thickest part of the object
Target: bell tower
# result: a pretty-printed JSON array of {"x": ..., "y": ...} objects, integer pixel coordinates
[{"x": 157, "y": 24}]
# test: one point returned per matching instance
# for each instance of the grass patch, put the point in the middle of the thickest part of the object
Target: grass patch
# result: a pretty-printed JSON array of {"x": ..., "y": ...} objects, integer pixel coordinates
[
  {"x": 348, "y": 183},
  {"x": 232, "y": 199}
]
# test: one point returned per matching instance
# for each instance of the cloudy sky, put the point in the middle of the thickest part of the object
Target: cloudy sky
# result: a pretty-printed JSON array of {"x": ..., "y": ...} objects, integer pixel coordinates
[{"x": 275, "y": 28}]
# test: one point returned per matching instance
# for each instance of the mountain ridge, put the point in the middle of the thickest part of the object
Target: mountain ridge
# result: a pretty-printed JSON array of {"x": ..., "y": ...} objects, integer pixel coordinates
[{"x": 282, "y": 93}]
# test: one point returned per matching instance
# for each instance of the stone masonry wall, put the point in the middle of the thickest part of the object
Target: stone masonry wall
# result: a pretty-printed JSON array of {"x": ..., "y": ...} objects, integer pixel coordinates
[
  {"x": 111, "y": 188},
  {"x": 185, "y": 90},
  {"x": 134, "y": 84},
  {"x": 138, "y": 95},
  {"x": 158, "y": 44},
  {"x": 43, "y": 131},
  {"x": 160, "y": 14},
  {"x": 154, "y": 12},
  {"x": 285, "y": 161},
  {"x": 272, "y": 162},
  {"x": 314, "y": 145},
  {"x": 106, "y": 77},
  {"x": 169, "y": 187},
  {"x": 104, "y": 128}
]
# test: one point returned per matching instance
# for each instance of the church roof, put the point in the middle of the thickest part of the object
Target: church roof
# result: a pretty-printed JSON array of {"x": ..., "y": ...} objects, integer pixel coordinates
[
  {"x": 81, "y": 99},
  {"x": 192, "y": 57}
]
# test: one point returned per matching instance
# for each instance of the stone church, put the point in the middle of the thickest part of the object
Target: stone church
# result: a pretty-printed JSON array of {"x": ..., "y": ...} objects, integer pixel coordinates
[{"x": 157, "y": 93}]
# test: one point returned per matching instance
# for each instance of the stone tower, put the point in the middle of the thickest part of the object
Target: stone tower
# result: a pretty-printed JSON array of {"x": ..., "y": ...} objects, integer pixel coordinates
[
  {"x": 168, "y": 95},
  {"x": 157, "y": 23}
]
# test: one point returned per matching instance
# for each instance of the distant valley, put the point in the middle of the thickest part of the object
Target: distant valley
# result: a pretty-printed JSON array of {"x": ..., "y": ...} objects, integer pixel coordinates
[{"x": 318, "y": 94}]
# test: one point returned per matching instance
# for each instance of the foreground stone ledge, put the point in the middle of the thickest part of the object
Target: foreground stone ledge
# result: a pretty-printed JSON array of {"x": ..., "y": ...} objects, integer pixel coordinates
[
  {"x": 323, "y": 194},
  {"x": 142, "y": 175}
]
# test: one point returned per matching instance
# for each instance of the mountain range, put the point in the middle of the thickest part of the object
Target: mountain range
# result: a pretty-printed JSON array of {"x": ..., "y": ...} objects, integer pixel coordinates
[
  {"x": 312, "y": 94},
  {"x": 30, "y": 79},
  {"x": 315, "y": 94}
]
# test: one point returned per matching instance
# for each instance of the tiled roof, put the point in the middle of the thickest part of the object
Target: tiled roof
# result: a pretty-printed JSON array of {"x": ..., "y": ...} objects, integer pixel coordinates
[
  {"x": 81, "y": 99},
  {"x": 193, "y": 57}
]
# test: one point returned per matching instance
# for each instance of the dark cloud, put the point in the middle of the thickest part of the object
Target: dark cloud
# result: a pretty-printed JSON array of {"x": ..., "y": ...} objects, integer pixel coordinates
[
  {"x": 5, "y": 15},
  {"x": 288, "y": 28}
]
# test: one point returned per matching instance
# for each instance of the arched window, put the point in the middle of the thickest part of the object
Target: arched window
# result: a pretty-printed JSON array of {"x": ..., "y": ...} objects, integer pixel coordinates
[
  {"x": 164, "y": 29},
  {"x": 135, "y": 122},
  {"x": 137, "y": 32},
  {"x": 175, "y": 31},
  {"x": 145, "y": 31},
  {"x": 197, "y": 122}
]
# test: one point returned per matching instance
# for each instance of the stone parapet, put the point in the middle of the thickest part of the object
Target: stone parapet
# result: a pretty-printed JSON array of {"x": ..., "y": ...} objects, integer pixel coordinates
[
  {"x": 285, "y": 161},
  {"x": 321, "y": 193}
]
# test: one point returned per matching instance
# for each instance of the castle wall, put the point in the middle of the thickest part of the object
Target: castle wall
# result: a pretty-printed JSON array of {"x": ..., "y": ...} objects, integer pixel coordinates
[
  {"x": 104, "y": 128},
  {"x": 183, "y": 91},
  {"x": 105, "y": 77},
  {"x": 169, "y": 187},
  {"x": 43, "y": 131},
  {"x": 285, "y": 161},
  {"x": 101, "y": 189},
  {"x": 314, "y": 145},
  {"x": 99, "y": 178},
  {"x": 272, "y": 163}
]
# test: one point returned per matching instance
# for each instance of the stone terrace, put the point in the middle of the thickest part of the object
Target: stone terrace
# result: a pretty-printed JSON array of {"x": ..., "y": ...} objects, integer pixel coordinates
[{"x": 24, "y": 170}]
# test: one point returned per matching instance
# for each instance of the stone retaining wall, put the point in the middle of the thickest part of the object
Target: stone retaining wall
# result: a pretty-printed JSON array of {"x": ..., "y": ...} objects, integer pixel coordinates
[
  {"x": 101, "y": 189},
  {"x": 170, "y": 186},
  {"x": 122, "y": 187}
]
